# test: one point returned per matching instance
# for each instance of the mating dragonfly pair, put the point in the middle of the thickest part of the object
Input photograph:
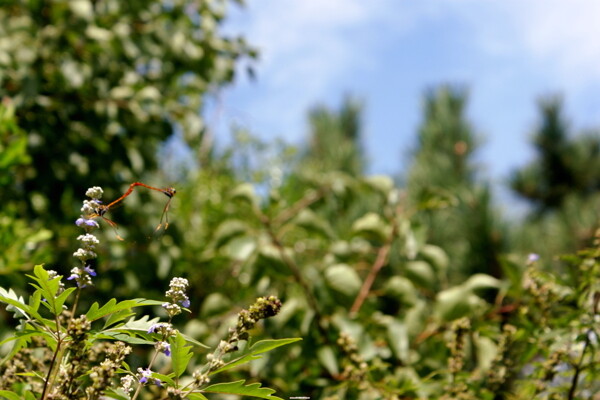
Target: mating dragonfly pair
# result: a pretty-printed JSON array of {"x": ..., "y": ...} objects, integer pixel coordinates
[{"x": 103, "y": 209}]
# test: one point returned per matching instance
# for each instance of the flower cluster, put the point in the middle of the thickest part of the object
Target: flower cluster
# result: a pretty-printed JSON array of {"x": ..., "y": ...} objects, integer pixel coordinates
[
  {"x": 146, "y": 377},
  {"x": 176, "y": 293},
  {"x": 264, "y": 307},
  {"x": 90, "y": 209}
]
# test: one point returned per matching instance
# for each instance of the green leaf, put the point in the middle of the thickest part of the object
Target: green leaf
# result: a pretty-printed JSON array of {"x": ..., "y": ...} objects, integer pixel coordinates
[
  {"x": 328, "y": 359},
  {"x": 371, "y": 225},
  {"x": 196, "y": 396},
  {"x": 457, "y": 302},
  {"x": 96, "y": 312},
  {"x": 343, "y": 278},
  {"x": 245, "y": 191},
  {"x": 402, "y": 289},
  {"x": 16, "y": 304},
  {"x": 421, "y": 273},
  {"x": 257, "y": 348},
  {"x": 118, "y": 317},
  {"x": 48, "y": 289},
  {"x": 310, "y": 221},
  {"x": 436, "y": 256},
  {"x": 481, "y": 281},
  {"x": 5, "y": 394},
  {"x": 382, "y": 183},
  {"x": 240, "y": 248},
  {"x": 398, "y": 339},
  {"x": 180, "y": 354},
  {"x": 228, "y": 230},
  {"x": 238, "y": 387},
  {"x": 61, "y": 298},
  {"x": 214, "y": 304}
]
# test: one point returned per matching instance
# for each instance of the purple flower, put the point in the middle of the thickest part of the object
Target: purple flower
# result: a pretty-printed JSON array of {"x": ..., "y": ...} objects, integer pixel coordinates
[
  {"x": 185, "y": 303},
  {"x": 89, "y": 270},
  {"x": 532, "y": 257},
  {"x": 147, "y": 375},
  {"x": 83, "y": 223},
  {"x": 153, "y": 328}
]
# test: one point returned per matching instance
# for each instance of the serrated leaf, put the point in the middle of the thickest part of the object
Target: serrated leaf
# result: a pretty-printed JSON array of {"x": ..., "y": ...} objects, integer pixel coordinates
[
  {"x": 118, "y": 317},
  {"x": 343, "y": 278},
  {"x": 164, "y": 378},
  {"x": 61, "y": 298},
  {"x": 180, "y": 354},
  {"x": 238, "y": 387},
  {"x": 47, "y": 287},
  {"x": 16, "y": 303},
  {"x": 96, "y": 312},
  {"x": 256, "y": 349}
]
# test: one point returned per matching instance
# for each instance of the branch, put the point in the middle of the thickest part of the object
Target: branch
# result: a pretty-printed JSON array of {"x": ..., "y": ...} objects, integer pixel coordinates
[{"x": 380, "y": 261}]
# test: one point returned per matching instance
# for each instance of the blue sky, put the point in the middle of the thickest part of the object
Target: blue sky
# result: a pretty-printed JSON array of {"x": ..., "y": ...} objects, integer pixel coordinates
[{"x": 388, "y": 52}]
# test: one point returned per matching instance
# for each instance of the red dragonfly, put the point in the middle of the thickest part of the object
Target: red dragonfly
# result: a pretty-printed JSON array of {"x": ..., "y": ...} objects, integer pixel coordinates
[{"x": 169, "y": 192}]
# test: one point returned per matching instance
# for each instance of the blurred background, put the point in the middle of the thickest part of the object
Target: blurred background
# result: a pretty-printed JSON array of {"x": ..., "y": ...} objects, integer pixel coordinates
[{"x": 459, "y": 136}]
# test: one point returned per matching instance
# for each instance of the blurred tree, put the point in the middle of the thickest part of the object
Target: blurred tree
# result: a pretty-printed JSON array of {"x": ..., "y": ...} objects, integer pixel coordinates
[
  {"x": 457, "y": 210},
  {"x": 561, "y": 184},
  {"x": 564, "y": 166},
  {"x": 98, "y": 85},
  {"x": 334, "y": 138}
]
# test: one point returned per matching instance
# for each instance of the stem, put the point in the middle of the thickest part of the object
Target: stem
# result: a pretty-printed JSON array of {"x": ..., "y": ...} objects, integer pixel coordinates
[
  {"x": 293, "y": 267},
  {"x": 75, "y": 302},
  {"x": 380, "y": 261},
  {"x": 578, "y": 366},
  {"x": 139, "y": 387},
  {"x": 301, "y": 204},
  {"x": 54, "y": 357}
]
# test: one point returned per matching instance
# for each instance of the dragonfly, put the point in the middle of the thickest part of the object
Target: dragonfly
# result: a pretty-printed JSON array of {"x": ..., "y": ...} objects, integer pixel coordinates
[{"x": 104, "y": 208}]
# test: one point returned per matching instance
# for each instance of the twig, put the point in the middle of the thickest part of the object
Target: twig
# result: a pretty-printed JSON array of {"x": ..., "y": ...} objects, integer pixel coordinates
[
  {"x": 293, "y": 267},
  {"x": 380, "y": 261},
  {"x": 301, "y": 204},
  {"x": 578, "y": 366}
]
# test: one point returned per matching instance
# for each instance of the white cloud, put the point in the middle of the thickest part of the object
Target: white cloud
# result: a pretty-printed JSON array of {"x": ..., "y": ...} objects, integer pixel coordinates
[
  {"x": 558, "y": 37},
  {"x": 509, "y": 50},
  {"x": 309, "y": 46}
]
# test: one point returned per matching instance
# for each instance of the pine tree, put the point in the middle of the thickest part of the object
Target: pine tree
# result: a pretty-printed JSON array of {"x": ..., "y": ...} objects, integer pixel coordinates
[
  {"x": 561, "y": 184},
  {"x": 442, "y": 182},
  {"x": 334, "y": 141}
]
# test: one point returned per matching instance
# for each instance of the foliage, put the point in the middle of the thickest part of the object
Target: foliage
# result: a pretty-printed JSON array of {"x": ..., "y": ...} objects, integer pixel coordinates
[
  {"x": 21, "y": 242},
  {"x": 561, "y": 185},
  {"x": 98, "y": 86},
  {"x": 334, "y": 142},
  {"x": 60, "y": 353},
  {"x": 457, "y": 208}
]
